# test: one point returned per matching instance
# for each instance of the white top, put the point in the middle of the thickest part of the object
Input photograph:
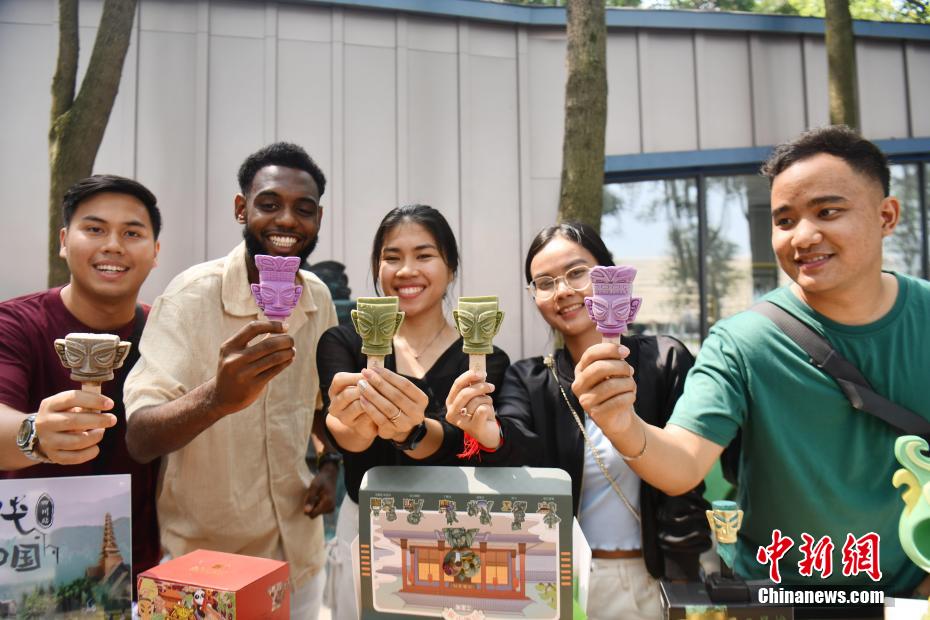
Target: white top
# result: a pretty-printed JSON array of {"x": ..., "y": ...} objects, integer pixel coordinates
[{"x": 605, "y": 520}]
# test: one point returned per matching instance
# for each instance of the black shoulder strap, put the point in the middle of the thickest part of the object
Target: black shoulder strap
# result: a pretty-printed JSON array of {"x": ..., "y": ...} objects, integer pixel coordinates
[{"x": 853, "y": 385}]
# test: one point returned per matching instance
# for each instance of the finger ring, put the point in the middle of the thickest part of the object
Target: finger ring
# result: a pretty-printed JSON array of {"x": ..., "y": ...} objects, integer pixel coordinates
[
  {"x": 394, "y": 418},
  {"x": 464, "y": 412}
]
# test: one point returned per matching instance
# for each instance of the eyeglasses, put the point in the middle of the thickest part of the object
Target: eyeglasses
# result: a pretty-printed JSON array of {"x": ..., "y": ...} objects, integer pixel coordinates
[{"x": 577, "y": 278}]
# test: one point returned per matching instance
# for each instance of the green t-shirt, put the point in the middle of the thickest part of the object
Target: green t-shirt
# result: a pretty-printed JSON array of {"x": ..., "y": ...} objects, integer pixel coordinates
[{"x": 810, "y": 462}]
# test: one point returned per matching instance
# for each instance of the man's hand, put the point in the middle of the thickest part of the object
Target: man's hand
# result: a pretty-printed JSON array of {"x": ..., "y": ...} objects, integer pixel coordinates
[
  {"x": 67, "y": 433},
  {"x": 244, "y": 369},
  {"x": 321, "y": 496},
  {"x": 605, "y": 388},
  {"x": 469, "y": 407}
]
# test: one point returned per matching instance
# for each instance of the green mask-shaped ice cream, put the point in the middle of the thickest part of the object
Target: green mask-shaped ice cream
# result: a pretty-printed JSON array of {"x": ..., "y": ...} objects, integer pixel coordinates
[
  {"x": 376, "y": 320},
  {"x": 478, "y": 319}
]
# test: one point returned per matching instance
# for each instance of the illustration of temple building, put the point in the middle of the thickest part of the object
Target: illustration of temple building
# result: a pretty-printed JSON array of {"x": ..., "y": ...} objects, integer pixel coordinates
[
  {"x": 507, "y": 563},
  {"x": 111, "y": 570}
]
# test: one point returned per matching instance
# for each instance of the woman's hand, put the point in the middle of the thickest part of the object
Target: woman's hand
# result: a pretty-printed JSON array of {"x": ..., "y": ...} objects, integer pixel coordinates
[
  {"x": 469, "y": 407},
  {"x": 605, "y": 388},
  {"x": 346, "y": 416},
  {"x": 393, "y": 403}
]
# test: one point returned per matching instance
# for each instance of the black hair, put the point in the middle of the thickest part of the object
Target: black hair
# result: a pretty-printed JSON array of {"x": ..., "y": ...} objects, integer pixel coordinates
[
  {"x": 837, "y": 140},
  {"x": 279, "y": 154},
  {"x": 579, "y": 232},
  {"x": 427, "y": 217},
  {"x": 109, "y": 183}
]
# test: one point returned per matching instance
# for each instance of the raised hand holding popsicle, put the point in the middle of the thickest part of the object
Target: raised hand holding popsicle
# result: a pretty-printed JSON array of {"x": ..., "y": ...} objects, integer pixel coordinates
[{"x": 478, "y": 319}]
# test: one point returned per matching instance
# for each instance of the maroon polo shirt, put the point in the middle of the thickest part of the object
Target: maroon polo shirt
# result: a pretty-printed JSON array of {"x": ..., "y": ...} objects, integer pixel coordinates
[{"x": 30, "y": 370}]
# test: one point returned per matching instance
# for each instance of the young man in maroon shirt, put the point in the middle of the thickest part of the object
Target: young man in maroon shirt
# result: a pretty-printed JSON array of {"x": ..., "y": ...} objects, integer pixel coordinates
[{"x": 48, "y": 426}]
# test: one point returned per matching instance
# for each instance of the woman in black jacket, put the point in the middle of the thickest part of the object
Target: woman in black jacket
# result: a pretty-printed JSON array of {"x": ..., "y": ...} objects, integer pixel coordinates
[{"x": 637, "y": 534}]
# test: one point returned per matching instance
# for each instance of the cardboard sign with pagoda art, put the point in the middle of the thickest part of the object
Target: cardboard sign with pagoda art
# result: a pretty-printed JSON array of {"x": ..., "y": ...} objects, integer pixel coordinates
[
  {"x": 465, "y": 543},
  {"x": 65, "y": 547}
]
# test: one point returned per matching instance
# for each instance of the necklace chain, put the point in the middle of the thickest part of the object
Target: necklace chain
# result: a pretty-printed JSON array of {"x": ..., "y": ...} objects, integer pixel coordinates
[
  {"x": 549, "y": 361},
  {"x": 416, "y": 355}
]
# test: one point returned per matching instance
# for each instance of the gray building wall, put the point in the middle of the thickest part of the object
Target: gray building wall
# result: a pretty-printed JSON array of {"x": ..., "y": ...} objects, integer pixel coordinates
[{"x": 449, "y": 107}]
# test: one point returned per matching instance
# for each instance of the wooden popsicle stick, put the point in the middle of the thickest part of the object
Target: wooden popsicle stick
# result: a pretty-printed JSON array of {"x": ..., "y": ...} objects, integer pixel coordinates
[
  {"x": 612, "y": 339},
  {"x": 477, "y": 363},
  {"x": 375, "y": 361},
  {"x": 94, "y": 388}
]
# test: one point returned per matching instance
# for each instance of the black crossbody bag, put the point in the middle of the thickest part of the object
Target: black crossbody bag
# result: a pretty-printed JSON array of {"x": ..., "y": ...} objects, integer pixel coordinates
[{"x": 850, "y": 381}]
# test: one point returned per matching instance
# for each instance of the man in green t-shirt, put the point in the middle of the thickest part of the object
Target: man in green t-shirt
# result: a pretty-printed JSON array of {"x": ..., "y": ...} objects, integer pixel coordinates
[{"x": 812, "y": 468}]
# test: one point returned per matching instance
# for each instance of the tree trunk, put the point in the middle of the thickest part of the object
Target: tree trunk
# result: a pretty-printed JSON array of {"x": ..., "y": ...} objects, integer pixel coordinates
[
  {"x": 78, "y": 123},
  {"x": 581, "y": 194},
  {"x": 841, "y": 60}
]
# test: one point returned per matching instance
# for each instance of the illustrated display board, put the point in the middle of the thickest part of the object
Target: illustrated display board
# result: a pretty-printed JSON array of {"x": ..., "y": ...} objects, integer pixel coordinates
[
  {"x": 65, "y": 547},
  {"x": 211, "y": 584},
  {"x": 465, "y": 543}
]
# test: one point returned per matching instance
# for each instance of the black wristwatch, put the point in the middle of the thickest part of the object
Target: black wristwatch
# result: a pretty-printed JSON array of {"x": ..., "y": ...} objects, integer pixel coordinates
[
  {"x": 413, "y": 439},
  {"x": 28, "y": 440},
  {"x": 328, "y": 457}
]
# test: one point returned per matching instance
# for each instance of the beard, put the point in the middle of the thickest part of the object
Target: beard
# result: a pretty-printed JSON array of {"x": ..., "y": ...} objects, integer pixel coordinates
[{"x": 254, "y": 245}]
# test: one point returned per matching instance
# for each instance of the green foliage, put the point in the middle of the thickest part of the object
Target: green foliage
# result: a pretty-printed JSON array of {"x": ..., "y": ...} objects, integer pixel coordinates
[
  {"x": 875, "y": 10},
  {"x": 73, "y": 596},
  {"x": 37, "y": 604},
  {"x": 547, "y": 593}
]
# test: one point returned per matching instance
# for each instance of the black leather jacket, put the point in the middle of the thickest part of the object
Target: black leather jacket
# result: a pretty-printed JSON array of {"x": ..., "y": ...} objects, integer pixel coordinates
[{"x": 539, "y": 431}]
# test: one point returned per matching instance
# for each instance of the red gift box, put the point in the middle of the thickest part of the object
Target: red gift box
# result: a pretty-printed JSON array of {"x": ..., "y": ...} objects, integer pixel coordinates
[{"x": 215, "y": 586}]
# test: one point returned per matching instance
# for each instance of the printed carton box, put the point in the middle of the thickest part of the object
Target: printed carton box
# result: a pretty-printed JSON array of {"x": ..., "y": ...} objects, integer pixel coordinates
[
  {"x": 465, "y": 543},
  {"x": 213, "y": 585}
]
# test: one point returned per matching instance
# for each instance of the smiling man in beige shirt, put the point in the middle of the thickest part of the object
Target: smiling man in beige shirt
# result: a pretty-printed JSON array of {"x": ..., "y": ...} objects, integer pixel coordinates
[{"x": 228, "y": 398}]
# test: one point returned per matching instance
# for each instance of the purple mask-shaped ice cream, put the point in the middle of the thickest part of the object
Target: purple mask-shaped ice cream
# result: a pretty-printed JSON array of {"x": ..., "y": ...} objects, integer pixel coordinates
[
  {"x": 276, "y": 294},
  {"x": 612, "y": 306}
]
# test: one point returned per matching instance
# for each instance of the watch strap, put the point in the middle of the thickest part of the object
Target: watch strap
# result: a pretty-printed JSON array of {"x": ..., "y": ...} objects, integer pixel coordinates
[
  {"x": 328, "y": 457},
  {"x": 417, "y": 433},
  {"x": 30, "y": 445}
]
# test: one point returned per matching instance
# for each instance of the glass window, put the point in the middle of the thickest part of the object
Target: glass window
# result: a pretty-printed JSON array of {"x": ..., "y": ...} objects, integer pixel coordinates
[
  {"x": 739, "y": 263},
  {"x": 427, "y": 565},
  {"x": 904, "y": 248},
  {"x": 653, "y": 226},
  {"x": 926, "y": 203}
]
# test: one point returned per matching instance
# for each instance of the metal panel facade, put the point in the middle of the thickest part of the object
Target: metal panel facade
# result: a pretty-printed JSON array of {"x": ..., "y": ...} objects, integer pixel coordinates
[{"x": 460, "y": 107}]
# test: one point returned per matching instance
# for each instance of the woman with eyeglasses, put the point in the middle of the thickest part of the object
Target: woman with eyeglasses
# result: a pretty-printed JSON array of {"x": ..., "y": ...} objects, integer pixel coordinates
[{"x": 636, "y": 533}]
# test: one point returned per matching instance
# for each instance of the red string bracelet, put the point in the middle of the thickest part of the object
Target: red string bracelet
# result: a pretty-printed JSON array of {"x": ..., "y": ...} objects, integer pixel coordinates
[{"x": 473, "y": 447}]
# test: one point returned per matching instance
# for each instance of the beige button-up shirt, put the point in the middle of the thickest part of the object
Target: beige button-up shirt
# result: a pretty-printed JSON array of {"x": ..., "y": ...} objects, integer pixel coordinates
[{"x": 239, "y": 486}]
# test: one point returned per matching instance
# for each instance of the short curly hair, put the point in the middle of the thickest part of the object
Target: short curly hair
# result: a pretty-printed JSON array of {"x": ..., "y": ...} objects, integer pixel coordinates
[{"x": 279, "y": 154}]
